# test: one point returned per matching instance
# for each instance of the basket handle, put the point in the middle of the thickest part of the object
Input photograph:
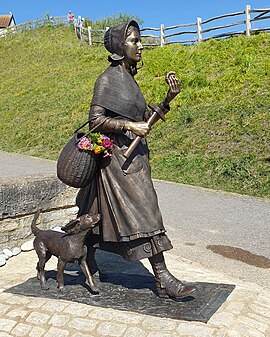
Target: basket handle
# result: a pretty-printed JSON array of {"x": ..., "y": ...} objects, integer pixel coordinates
[{"x": 91, "y": 130}]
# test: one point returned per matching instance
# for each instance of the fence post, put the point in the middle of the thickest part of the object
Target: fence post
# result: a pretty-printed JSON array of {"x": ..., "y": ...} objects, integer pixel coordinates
[
  {"x": 199, "y": 29},
  {"x": 162, "y": 35},
  {"x": 248, "y": 24},
  {"x": 89, "y": 36}
]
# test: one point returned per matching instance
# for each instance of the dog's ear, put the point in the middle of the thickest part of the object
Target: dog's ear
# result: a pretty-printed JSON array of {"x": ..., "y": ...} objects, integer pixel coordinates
[
  {"x": 76, "y": 229},
  {"x": 69, "y": 227}
]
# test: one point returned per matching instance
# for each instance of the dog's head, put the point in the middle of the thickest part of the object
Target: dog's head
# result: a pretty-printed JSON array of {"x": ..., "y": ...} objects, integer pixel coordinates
[{"x": 82, "y": 223}]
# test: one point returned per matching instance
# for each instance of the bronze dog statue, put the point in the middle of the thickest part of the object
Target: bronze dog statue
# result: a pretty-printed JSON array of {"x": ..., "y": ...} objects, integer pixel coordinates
[{"x": 68, "y": 247}]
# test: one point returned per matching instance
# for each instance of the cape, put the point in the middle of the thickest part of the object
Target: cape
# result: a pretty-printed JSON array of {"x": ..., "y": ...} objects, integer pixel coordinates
[{"x": 116, "y": 90}]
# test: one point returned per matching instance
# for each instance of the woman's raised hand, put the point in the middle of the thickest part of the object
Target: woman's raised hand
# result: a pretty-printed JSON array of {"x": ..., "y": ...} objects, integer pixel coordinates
[{"x": 174, "y": 85}]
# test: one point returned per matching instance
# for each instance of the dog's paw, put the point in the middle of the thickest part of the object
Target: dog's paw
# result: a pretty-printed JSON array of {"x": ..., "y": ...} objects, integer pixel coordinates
[
  {"x": 44, "y": 287},
  {"x": 93, "y": 287},
  {"x": 61, "y": 290}
]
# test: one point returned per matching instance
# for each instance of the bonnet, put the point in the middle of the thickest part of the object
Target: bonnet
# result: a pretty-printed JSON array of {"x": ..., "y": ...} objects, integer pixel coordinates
[{"x": 114, "y": 39}]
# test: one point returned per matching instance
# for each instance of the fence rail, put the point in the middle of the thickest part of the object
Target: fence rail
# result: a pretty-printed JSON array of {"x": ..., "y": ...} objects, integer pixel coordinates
[
  {"x": 53, "y": 20},
  {"x": 197, "y": 32},
  {"x": 189, "y": 33},
  {"x": 50, "y": 20}
]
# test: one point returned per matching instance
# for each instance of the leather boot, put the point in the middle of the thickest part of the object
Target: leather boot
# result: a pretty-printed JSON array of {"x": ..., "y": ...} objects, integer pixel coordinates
[{"x": 167, "y": 285}]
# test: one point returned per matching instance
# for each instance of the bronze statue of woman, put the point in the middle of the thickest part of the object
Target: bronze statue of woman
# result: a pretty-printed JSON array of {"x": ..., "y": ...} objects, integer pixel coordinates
[{"x": 123, "y": 193}]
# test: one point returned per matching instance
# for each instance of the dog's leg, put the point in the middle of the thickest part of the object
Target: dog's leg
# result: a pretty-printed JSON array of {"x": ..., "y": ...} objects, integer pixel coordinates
[
  {"x": 89, "y": 278},
  {"x": 47, "y": 258},
  {"x": 43, "y": 256},
  {"x": 60, "y": 271},
  {"x": 41, "y": 270},
  {"x": 38, "y": 271},
  {"x": 91, "y": 261}
]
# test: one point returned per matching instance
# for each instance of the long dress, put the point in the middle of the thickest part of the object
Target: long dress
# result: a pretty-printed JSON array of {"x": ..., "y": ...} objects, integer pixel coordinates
[{"x": 123, "y": 192}]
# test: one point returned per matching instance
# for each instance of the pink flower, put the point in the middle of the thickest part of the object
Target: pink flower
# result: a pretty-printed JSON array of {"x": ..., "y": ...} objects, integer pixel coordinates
[
  {"x": 106, "y": 142},
  {"x": 97, "y": 143},
  {"x": 107, "y": 155},
  {"x": 85, "y": 144}
]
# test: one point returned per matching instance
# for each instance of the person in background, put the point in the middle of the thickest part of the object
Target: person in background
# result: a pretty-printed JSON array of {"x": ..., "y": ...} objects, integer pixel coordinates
[{"x": 70, "y": 17}]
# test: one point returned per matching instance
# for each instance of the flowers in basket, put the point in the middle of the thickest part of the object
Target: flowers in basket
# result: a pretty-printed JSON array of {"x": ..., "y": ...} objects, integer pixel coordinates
[{"x": 97, "y": 143}]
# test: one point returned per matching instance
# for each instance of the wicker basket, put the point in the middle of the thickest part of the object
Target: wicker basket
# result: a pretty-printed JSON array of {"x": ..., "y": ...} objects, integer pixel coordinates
[{"x": 76, "y": 167}]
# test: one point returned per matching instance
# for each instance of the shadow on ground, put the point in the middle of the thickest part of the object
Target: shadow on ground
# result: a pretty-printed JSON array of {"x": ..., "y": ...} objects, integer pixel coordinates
[{"x": 128, "y": 286}]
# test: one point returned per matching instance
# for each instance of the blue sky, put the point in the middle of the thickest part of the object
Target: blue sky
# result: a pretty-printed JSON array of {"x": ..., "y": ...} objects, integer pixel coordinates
[{"x": 153, "y": 13}]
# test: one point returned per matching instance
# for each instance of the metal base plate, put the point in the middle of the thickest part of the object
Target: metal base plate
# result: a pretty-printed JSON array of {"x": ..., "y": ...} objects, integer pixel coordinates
[{"x": 132, "y": 290}]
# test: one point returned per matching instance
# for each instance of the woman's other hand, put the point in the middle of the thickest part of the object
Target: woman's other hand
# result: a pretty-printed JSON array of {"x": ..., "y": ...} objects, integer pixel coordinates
[
  {"x": 174, "y": 85},
  {"x": 138, "y": 128}
]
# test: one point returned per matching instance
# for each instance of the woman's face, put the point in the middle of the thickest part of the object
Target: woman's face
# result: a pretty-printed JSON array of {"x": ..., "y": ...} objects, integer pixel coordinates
[{"x": 133, "y": 47}]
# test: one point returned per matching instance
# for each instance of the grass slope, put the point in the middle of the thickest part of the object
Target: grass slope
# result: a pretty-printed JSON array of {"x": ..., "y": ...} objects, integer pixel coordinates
[{"x": 216, "y": 135}]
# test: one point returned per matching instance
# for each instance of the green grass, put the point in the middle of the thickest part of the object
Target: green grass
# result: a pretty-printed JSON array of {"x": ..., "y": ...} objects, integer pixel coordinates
[{"x": 216, "y": 134}]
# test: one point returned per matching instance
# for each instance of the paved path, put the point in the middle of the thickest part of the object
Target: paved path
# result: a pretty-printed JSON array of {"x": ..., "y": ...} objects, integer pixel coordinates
[
  {"x": 16, "y": 165},
  {"x": 197, "y": 217},
  {"x": 246, "y": 312}
]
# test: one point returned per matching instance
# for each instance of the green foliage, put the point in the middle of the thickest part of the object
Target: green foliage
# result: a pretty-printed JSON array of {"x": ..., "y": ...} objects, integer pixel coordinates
[
  {"x": 113, "y": 20},
  {"x": 216, "y": 134}
]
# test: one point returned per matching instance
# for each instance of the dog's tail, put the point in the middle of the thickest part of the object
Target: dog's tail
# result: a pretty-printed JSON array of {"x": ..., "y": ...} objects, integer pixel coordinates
[{"x": 34, "y": 228}]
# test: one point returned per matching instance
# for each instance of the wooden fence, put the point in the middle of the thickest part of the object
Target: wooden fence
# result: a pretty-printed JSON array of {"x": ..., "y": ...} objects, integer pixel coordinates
[
  {"x": 50, "y": 20},
  {"x": 201, "y": 30}
]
